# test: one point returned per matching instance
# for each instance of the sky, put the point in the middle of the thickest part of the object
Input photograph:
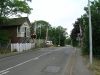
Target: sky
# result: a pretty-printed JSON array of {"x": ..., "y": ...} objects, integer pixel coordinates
[{"x": 58, "y": 12}]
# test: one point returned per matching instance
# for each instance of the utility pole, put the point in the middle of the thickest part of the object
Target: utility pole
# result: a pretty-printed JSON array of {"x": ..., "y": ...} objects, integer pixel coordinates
[
  {"x": 35, "y": 28},
  {"x": 40, "y": 36},
  {"x": 46, "y": 34},
  {"x": 35, "y": 33},
  {"x": 80, "y": 36},
  {"x": 59, "y": 38},
  {"x": 90, "y": 33}
]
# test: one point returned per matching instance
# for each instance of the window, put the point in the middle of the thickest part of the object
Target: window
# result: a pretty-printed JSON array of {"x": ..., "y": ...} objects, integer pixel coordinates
[{"x": 18, "y": 29}]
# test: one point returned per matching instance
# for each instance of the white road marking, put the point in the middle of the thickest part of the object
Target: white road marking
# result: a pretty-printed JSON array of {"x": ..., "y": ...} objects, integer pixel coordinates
[
  {"x": 7, "y": 70},
  {"x": 4, "y": 72},
  {"x": 36, "y": 58}
]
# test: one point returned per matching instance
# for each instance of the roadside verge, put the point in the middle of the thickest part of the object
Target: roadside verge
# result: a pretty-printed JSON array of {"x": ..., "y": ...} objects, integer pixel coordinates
[{"x": 16, "y": 53}]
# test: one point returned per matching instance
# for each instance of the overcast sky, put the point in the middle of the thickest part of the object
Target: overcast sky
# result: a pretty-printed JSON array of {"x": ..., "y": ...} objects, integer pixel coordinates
[{"x": 57, "y": 12}]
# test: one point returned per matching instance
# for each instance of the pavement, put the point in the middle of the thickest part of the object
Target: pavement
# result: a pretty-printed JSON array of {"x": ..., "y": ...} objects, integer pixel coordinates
[{"x": 46, "y": 61}]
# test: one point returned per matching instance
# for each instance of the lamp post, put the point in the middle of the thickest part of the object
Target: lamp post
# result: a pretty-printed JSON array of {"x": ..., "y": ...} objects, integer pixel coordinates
[{"x": 90, "y": 33}]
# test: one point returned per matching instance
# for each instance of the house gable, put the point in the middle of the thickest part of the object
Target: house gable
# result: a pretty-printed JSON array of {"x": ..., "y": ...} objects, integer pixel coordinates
[
  {"x": 23, "y": 30},
  {"x": 25, "y": 24}
]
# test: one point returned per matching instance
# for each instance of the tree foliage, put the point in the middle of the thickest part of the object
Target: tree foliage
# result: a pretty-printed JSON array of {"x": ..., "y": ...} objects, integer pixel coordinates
[
  {"x": 83, "y": 23},
  {"x": 74, "y": 33},
  {"x": 41, "y": 28},
  {"x": 4, "y": 37},
  {"x": 57, "y": 35},
  {"x": 13, "y": 7},
  {"x": 68, "y": 41}
]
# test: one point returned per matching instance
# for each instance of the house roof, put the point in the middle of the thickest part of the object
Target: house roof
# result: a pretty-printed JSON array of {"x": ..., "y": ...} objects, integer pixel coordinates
[{"x": 16, "y": 21}]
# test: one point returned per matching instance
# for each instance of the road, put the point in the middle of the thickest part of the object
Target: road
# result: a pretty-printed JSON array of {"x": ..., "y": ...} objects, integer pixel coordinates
[{"x": 46, "y": 61}]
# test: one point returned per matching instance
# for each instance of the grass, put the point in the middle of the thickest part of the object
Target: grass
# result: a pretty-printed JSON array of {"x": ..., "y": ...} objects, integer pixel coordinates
[
  {"x": 7, "y": 53},
  {"x": 96, "y": 66},
  {"x": 4, "y": 51}
]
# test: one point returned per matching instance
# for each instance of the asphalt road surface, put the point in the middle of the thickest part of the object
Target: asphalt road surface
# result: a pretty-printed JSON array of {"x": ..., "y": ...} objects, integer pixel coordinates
[{"x": 46, "y": 61}]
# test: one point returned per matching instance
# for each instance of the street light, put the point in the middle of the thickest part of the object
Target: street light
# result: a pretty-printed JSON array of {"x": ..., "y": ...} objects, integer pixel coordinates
[{"x": 90, "y": 32}]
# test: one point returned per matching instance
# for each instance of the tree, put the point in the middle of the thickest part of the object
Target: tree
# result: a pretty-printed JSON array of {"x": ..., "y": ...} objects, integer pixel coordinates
[
  {"x": 74, "y": 33},
  {"x": 41, "y": 28},
  {"x": 53, "y": 33},
  {"x": 68, "y": 41},
  {"x": 13, "y": 7},
  {"x": 95, "y": 15},
  {"x": 58, "y": 35},
  {"x": 62, "y": 34},
  {"x": 83, "y": 23},
  {"x": 4, "y": 37}
]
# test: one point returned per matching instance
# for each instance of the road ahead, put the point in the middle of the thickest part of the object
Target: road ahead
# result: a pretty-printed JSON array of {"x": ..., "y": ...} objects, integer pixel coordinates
[{"x": 46, "y": 61}]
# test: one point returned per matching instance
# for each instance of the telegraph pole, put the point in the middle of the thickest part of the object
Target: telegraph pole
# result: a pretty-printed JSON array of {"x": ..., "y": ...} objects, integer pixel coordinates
[
  {"x": 59, "y": 36},
  {"x": 35, "y": 33},
  {"x": 46, "y": 34},
  {"x": 35, "y": 28},
  {"x": 90, "y": 33},
  {"x": 59, "y": 39},
  {"x": 40, "y": 36}
]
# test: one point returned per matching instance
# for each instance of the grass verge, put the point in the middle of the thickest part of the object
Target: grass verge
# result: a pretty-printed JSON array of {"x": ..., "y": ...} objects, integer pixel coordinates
[
  {"x": 96, "y": 66},
  {"x": 7, "y": 53}
]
